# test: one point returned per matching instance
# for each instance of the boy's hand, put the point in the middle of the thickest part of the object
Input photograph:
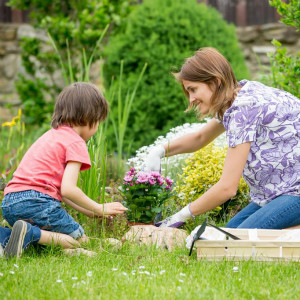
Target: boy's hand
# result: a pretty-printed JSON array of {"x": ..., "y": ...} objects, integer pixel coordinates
[{"x": 112, "y": 208}]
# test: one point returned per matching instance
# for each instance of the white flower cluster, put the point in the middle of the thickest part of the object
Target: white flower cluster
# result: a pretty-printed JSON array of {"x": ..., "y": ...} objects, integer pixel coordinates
[{"x": 138, "y": 162}]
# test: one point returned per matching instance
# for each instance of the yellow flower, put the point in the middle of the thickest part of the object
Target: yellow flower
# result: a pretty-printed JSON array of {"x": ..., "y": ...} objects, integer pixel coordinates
[
  {"x": 18, "y": 117},
  {"x": 9, "y": 124},
  {"x": 13, "y": 121},
  {"x": 202, "y": 171}
]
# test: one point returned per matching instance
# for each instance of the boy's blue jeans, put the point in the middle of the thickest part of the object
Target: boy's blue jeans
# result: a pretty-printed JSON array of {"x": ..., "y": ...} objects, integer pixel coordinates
[
  {"x": 282, "y": 212},
  {"x": 33, "y": 235},
  {"x": 40, "y": 210}
]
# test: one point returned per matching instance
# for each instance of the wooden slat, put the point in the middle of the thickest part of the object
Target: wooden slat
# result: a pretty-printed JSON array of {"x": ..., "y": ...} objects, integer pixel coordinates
[
  {"x": 245, "y": 243},
  {"x": 265, "y": 249}
]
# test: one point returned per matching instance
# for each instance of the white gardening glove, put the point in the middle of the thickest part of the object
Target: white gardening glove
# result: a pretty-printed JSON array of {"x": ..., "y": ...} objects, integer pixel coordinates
[{"x": 152, "y": 162}]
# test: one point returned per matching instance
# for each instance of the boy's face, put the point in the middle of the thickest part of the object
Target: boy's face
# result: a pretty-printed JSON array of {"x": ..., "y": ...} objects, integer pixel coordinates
[{"x": 87, "y": 132}]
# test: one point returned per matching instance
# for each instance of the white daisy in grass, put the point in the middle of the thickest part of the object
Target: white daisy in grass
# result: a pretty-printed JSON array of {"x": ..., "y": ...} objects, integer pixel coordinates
[{"x": 235, "y": 269}]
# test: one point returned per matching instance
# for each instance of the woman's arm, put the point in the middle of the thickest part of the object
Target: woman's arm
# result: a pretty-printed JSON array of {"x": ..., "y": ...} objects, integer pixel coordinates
[
  {"x": 71, "y": 191},
  {"x": 195, "y": 141},
  {"x": 185, "y": 144},
  {"x": 227, "y": 186}
]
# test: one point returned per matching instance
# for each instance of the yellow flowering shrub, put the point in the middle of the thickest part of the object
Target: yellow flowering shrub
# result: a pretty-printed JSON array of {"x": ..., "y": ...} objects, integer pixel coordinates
[{"x": 202, "y": 171}]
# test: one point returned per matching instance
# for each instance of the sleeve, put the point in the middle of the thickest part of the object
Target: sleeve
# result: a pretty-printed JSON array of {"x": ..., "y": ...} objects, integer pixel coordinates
[
  {"x": 241, "y": 124},
  {"x": 78, "y": 152}
]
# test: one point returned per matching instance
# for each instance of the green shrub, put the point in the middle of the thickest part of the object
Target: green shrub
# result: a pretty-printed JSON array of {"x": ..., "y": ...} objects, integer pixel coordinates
[
  {"x": 285, "y": 67},
  {"x": 163, "y": 33},
  {"x": 202, "y": 171}
]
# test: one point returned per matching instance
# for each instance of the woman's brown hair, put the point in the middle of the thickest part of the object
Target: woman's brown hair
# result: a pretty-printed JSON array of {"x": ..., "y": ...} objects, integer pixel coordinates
[
  {"x": 79, "y": 104},
  {"x": 209, "y": 66}
]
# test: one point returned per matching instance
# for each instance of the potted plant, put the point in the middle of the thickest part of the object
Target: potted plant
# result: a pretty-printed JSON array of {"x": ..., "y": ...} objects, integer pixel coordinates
[{"x": 144, "y": 195}]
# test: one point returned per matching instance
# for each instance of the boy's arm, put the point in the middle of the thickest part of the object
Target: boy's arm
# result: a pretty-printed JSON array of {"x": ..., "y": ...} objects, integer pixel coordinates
[
  {"x": 71, "y": 191},
  {"x": 87, "y": 212}
]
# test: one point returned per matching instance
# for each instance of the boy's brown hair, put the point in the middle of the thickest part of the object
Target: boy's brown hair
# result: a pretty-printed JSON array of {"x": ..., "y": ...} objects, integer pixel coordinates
[
  {"x": 209, "y": 66},
  {"x": 79, "y": 104}
]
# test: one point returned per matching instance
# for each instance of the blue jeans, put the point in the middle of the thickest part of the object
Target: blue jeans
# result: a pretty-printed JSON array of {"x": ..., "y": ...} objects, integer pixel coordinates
[
  {"x": 40, "y": 210},
  {"x": 33, "y": 235},
  {"x": 280, "y": 213}
]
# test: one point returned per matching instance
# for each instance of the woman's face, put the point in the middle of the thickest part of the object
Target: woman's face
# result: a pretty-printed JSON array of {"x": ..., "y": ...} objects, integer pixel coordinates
[{"x": 199, "y": 95}]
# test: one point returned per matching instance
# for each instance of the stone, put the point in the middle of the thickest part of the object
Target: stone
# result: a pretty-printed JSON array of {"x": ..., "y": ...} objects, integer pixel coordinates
[
  {"x": 11, "y": 98},
  {"x": 79, "y": 251},
  {"x": 283, "y": 35},
  {"x": 116, "y": 244},
  {"x": 25, "y": 30},
  {"x": 9, "y": 65},
  {"x": 6, "y": 86},
  {"x": 8, "y": 33},
  {"x": 9, "y": 47},
  {"x": 263, "y": 49},
  {"x": 166, "y": 238},
  {"x": 247, "y": 34}
]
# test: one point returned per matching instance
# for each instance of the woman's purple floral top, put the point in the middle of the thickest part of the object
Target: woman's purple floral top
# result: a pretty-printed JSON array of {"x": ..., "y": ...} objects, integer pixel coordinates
[{"x": 270, "y": 119}]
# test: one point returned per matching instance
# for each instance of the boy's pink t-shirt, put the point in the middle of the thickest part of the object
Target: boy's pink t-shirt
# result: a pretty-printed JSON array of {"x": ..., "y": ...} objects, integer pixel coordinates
[{"x": 43, "y": 165}]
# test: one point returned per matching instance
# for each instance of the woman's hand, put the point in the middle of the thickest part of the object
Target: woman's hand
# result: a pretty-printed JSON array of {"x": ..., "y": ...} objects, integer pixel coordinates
[{"x": 153, "y": 159}]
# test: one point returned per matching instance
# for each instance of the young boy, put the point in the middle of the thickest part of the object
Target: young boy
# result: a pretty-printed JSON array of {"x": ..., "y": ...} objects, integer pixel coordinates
[{"x": 48, "y": 172}]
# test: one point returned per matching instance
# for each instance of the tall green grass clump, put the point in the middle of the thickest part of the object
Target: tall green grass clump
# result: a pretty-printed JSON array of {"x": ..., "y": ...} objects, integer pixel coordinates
[{"x": 163, "y": 33}]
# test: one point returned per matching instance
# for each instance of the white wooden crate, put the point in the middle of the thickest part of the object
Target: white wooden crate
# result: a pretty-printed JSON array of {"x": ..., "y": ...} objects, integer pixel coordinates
[{"x": 256, "y": 244}]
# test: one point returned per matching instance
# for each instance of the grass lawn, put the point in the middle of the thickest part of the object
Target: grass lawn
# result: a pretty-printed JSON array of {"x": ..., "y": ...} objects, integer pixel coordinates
[{"x": 143, "y": 273}]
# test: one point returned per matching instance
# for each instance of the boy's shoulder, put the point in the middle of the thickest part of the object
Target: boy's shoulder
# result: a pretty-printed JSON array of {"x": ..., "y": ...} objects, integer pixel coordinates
[{"x": 63, "y": 134}]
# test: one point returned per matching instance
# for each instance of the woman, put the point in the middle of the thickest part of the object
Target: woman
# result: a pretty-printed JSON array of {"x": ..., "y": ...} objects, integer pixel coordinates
[{"x": 262, "y": 126}]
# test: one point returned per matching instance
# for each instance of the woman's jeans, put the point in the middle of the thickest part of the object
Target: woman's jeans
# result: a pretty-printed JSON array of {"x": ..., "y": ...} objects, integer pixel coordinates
[{"x": 282, "y": 212}]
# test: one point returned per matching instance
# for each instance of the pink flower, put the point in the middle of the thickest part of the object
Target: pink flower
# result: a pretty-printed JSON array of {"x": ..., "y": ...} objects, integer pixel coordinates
[
  {"x": 169, "y": 181},
  {"x": 128, "y": 178},
  {"x": 131, "y": 172},
  {"x": 160, "y": 182},
  {"x": 142, "y": 177},
  {"x": 131, "y": 184},
  {"x": 152, "y": 181},
  {"x": 155, "y": 174}
]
